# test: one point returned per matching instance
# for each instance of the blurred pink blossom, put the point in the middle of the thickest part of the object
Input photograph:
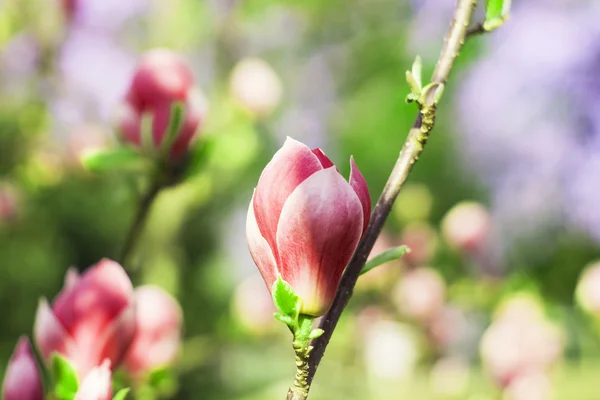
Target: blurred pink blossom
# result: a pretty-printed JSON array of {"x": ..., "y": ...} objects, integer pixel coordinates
[
  {"x": 158, "y": 331},
  {"x": 253, "y": 306},
  {"x": 97, "y": 384},
  {"x": 90, "y": 320},
  {"x": 22, "y": 379},
  {"x": 520, "y": 341},
  {"x": 420, "y": 294}
]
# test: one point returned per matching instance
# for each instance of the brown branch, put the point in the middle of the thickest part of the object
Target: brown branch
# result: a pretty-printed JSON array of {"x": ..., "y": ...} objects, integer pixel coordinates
[{"x": 409, "y": 155}]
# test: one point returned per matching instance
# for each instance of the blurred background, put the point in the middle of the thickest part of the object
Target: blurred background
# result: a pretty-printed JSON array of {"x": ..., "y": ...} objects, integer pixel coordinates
[{"x": 501, "y": 212}]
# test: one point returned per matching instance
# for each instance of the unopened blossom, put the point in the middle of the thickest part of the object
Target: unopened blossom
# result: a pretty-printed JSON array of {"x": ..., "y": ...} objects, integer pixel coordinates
[
  {"x": 252, "y": 306},
  {"x": 162, "y": 79},
  {"x": 391, "y": 350},
  {"x": 588, "y": 289},
  {"x": 519, "y": 343},
  {"x": 158, "y": 331},
  {"x": 90, "y": 320},
  {"x": 420, "y": 294},
  {"x": 421, "y": 239},
  {"x": 450, "y": 377},
  {"x": 467, "y": 226},
  {"x": 22, "y": 379},
  {"x": 97, "y": 384},
  {"x": 255, "y": 86},
  {"x": 304, "y": 223},
  {"x": 530, "y": 386}
]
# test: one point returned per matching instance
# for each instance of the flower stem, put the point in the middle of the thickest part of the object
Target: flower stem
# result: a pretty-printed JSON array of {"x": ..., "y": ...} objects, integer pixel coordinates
[
  {"x": 135, "y": 231},
  {"x": 408, "y": 156},
  {"x": 302, "y": 348}
]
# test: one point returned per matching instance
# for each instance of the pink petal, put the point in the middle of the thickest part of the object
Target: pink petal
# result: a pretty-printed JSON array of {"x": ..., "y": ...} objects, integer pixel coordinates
[
  {"x": 99, "y": 296},
  {"x": 259, "y": 248},
  {"x": 71, "y": 278},
  {"x": 320, "y": 226},
  {"x": 50, "y": 336},
  {"x": 158, "y": 333},
  {"x": 290, "y": 166},
  {"x": 117, "y": 338},
  {"x": 359, "y": 184},
  {"x": 22, "y": 379},
  {"x": 97, "y": 384},
  {"x": 325, "y": 161}
]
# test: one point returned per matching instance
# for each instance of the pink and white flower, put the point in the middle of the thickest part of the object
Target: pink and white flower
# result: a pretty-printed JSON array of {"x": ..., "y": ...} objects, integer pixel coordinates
[
  {"x": 90, "y": 320},
  {"x": 158, "y": 332},
  {"x": 304, "y": 223},
  {"x": 22, "y": 380}
]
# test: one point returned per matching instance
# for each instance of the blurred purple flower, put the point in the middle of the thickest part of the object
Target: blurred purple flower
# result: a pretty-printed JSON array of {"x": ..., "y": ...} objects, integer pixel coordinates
[
  {"x": 95, "y": 72},
  {"x": 521, "y": 111},
  {"x": 106, "y": 15},
  {"x": 18, "y": 63}
]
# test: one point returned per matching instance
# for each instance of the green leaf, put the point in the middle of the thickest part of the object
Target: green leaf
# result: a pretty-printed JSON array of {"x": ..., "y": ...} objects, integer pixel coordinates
[
  {"x": 174, "y": 128},
  {"x": 199, "y": 156},
  {"x": 117, "y": 158},
  {"x": 417, "y": 69},
  {"x": 285, "y": 299},
  {"x": 496, "y": 13},
  {"x": 65, "y": 378},
  {"x": 389, "y": 255},
  {"x": 121, "y": 394}
]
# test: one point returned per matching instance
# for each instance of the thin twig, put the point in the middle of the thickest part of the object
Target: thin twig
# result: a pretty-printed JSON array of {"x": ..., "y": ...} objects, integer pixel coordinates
[
  {"x": 139, "y": 220},
  {"x": 409, "y": 155}
]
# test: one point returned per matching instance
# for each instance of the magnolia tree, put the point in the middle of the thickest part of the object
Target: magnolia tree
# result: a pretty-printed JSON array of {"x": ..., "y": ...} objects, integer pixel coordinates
[{"x": 309, "y": 231}]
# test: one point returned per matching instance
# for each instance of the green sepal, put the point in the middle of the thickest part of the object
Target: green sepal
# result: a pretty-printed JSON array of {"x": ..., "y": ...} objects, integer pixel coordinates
[
  {"x": 496, "y": 13},
  {"x": 146, "y": 132},
  {"x": 174, "y": 128},
  {"x": 285, "y": 319},
  {"x": 415, "y": 87},
  {"x": 439, "y": 90},
  {"x": 111, "y": 159},
  {"x": 64, "y": 377},
  {"x": 416, "y": 71},
  {"x": 286, "y": 300},
  {"x": 121, "y": 394},
  {"x": 389, "y": 255},
  {"x": 315, "y": 333}
]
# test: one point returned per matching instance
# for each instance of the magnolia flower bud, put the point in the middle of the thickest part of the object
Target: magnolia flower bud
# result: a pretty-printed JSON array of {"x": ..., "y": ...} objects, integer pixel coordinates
[
  {"x": 22, "y": 380},
  {"x": 252, "y": 306},
  {"x": 518, "y": 343},
  {"x": 530, "y": 386},
  {"x": 97, "y": 384},
  {"x": 255, "y": 86},
  {"x": 588, "y": 289},
  {"x": 158, "y": 331},
  {"x": 161, "y": 79},
  {"x": 421, "y": 239},
  {"x": 90, "y": 320},
  {"x": 391, "y": 351},
  {"x": 304, "y": 223},
  {"x": 420, "y": 294},
  {"x": 466, "y": 226}
]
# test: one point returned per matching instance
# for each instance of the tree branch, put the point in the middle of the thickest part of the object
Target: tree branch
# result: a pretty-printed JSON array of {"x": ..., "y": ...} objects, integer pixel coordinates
[{"x": 409, "y": 155}]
